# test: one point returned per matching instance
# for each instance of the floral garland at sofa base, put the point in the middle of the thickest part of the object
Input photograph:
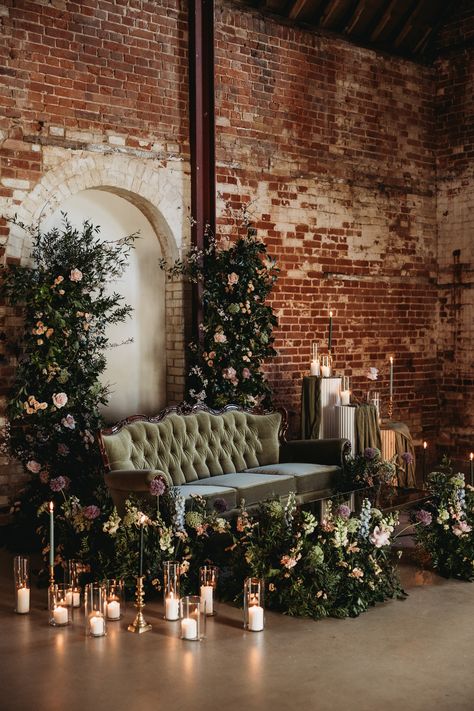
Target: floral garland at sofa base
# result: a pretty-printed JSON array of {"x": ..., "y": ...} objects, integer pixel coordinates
[{"x": 338, "y": 566}]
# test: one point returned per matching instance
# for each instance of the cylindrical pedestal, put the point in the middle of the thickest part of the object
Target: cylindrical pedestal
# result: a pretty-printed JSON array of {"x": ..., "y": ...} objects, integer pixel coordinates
[
  {"x": 346, "y": 426},
  {"x": 330, "y": 397}
]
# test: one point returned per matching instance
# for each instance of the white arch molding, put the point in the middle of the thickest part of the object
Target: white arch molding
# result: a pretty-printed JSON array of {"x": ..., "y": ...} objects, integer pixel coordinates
[{"x": 149, "y": 373}]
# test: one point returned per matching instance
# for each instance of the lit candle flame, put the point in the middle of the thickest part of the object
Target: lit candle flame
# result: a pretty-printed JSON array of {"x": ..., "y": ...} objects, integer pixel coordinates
[
  {"x": 391, "y": 359},
  {"x": 425, "y": 445},
  {"x": 330, "y": 314},
  {"x": 471, "y": 456},
  {"x": 51, "y": 505}
]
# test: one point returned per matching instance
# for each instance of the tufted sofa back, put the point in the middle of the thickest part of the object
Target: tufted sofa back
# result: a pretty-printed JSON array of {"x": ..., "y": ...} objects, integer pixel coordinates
[{"x": 195, "y": 446}]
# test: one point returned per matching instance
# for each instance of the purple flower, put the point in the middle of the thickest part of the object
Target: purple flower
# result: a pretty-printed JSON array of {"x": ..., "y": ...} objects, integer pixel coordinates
[
  {"x": 424, "y": 517},
  {"x": 91, "y": 512},
  {"x": 157, "y": 486},
  {"x": 407, "y": 457},
  {"x": 371, "y": 453},
  {"x": 58, "y": 484},
  {"x": 220, "y": 505},
  {"x": 344, "y": 511}
]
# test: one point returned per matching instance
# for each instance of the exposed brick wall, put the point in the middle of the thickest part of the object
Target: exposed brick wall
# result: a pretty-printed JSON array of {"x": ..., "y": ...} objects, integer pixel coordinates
[
  {"x": 455, "y": 200},
  {"x": 335, "y": 145},
  {"x": 94, "y": 93}
]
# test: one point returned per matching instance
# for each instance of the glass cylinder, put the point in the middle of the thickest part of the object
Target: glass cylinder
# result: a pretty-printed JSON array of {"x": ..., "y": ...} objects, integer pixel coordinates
[
  {"x": 171, "y": 571},
  {"x": 60, "y": 606},
  {"x": 96, "y": 609},
  {"x": 326, "y": 367},
  {"x": 345, "y": 390},
  {"x": 193, "y": 620},
  {"x": 253, "y": 605},
  {"x": 71, "y": 578},
  {"x": 115, "y": 598},
  {"x": 208, "y": 580},
  {"x": 373, "y": 398},
  {"x": 21, "y": 577}
]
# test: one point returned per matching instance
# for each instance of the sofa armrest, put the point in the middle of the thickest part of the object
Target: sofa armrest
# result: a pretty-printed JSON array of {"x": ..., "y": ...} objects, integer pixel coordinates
[
  {"x": 315, "y": 451},
  {"x": 133, "y": 479}
]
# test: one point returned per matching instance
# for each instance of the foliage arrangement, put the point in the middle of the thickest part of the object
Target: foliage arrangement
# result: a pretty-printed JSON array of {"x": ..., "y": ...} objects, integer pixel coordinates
[
  {"x": 337, "y": 567},
  {"x": 237, "y": 324},
  {"x": 446, "y": 524},
  {"x": 54, "y": 409},
  {"x": 367, "y": 470}
]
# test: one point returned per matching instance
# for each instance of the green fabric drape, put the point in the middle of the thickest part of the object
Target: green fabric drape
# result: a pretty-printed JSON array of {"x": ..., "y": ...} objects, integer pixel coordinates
[
  {"x": 310, "y": 407},
  {"x": 367, "y": 428},
  {"x": 403, "y": 443}
]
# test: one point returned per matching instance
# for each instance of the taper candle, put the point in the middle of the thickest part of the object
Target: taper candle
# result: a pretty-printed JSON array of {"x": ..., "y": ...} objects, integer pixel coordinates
[
  {"x": 425, "y": 447},
  {"x": 330, "y": 331},
  {"x": 51, "y": 534},
  {"x": 391, "y": 377},
  {"x": 471, "y": 469},
  {"x": 142, "y": 524}
]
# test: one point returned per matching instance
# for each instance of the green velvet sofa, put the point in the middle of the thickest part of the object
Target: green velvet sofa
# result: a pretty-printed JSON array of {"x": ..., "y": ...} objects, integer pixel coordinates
[{"x": 231, "y": 454}]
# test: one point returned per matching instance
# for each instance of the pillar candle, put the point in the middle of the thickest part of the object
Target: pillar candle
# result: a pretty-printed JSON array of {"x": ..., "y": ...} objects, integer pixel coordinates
[
  {"x": 113, "y": 610},
  {"x": 207, "y": 598},
  {"x": 314, "y": 369},
  {"x": 73, "y": 598},
  {"x": 345, "y": 397},
  {"x": 96, "y": 625},
  {"x": 256, "y": 618},
  {"x": 171, "y": 607},
  {"x": 60, "y": 615},
  {"x": 51, "y": 534},
  {"x": 188, "y": 628},
  {"x": 23, "y": 600}
]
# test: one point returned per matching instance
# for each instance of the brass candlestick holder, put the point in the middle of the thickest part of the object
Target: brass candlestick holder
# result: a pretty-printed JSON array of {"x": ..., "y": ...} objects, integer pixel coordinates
[
  {"x": 139, "y": 624},
  {"x": 390, "y": 408},
  {"x": 51, "y": 575}
]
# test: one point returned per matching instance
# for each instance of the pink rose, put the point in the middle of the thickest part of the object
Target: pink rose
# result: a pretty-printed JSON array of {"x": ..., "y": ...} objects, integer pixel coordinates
[
  {"x": 220, "y": 337},
  {"x": 232, "y": 278},
  {"x": 60, "y": 399},
  {"x": 230, "y": 374},
  {"x": 246, "y": 373},
  {"x": 33, "y": 466},
  {"x": 212, "y": 355},
  {"x": 461, "y": 528},
  {"x": 75, "y": 275}
]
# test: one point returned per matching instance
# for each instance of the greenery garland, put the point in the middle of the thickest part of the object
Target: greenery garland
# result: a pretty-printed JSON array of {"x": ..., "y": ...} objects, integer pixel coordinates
[{"x": 54, "y": 409}]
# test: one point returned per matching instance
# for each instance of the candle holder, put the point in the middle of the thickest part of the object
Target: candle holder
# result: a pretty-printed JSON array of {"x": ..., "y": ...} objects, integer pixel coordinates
[
  {"x": 115, "y": 599},
  {"x": 59, "y": 605},
  {"x": 193, "y": 619},
  {"x": 345, "y": 391},
  {"x": 96, "y": 608},
  {"x": 171, "y": 579},
  {"x": 390, "y": 408},
  {"x": 208, "y": 578},
  {"x": 254, "y": 619},
  {"x": 326, "y": 366},
  {"x": 315, "y": 368},
  {"x": 21, "y": 577},
  {"x": 139, "y": 624}
]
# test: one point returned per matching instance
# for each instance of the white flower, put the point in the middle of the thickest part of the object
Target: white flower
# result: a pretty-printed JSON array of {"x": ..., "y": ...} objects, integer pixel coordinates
[
  {"x": 60, "y": 399},
  {"x": 69, "y": 422},
  {"x": 75, "y": 275},
  {"x": 33, "y": 466}
]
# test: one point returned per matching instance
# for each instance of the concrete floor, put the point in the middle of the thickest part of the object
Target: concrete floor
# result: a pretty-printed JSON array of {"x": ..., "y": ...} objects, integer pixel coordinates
[{"x": 415, "y": 655}]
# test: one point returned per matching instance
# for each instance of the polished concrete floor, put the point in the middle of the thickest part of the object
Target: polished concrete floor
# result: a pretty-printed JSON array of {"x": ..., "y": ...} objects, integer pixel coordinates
[{"x": 415, "y": 655}]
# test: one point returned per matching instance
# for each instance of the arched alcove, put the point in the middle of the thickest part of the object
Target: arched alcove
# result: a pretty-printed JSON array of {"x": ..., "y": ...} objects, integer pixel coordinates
[{"x": 136, "y": 371}]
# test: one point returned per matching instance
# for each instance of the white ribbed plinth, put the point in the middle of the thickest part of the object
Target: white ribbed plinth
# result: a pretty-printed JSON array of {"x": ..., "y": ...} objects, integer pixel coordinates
[
  {"x": 345, "y": 423},
  {"x": 330, "y": 389}
]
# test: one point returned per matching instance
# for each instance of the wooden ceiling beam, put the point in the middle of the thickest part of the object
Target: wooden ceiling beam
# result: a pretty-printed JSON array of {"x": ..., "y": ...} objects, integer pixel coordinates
[
  {"x": 356, "y": 15},
  {"x": 328, "y": 13},
  {"x": 409, "y": 23},
  {"x": 384, "y": 20},
  {"x": 297, "y": 9}
]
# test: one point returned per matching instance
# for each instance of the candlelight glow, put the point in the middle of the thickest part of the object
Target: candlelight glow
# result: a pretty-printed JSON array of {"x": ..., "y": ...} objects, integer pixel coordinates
[
  {"x": 51, "y": 505},
  {"x": 471, "y": 456},
  {"x": 330, "y": 314},
  {"x": 425, "y": 445},
  {"x": 391, "y": 359}
]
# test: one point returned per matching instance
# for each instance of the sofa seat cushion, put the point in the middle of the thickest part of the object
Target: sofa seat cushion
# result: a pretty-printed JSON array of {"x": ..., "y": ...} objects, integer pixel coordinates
[
  {"x": 308, "y": 477},
  {"x": 210, "y": 493},
  {"x": 253, "y": 488}
]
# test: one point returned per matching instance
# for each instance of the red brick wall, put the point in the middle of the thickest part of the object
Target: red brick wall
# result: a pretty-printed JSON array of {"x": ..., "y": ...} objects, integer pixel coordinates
[
  {"x": 335, "y": 145},
  {"x": 455, "y": 200}
]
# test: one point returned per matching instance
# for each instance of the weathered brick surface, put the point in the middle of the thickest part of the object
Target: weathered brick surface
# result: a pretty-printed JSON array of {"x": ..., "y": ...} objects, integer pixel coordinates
[
  {"x": 335, "y": 146},
  {"x": 455, "y": 202}
]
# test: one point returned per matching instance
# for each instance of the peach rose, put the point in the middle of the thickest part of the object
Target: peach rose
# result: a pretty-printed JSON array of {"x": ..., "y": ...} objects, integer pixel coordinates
[
  {"x": 60, "y": 399},
  {"x": 75, "y": 275}
]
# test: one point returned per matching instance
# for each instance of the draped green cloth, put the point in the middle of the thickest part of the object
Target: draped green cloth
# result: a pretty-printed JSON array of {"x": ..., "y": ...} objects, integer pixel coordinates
[
  {"x": 403, "y": 443},
  {"x": 367, "y": 428},
  {"x": 310, "y": 407}
]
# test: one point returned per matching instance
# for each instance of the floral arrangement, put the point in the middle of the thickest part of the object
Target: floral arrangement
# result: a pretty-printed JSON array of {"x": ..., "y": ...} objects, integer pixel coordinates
[
  {"x": 445, "y": 524},
  {"x": 53, "y": 412},
  {"x": 367, "y": 470},
  {"x": 226, "y": 362},
  {"x": 336, "y": 567}
]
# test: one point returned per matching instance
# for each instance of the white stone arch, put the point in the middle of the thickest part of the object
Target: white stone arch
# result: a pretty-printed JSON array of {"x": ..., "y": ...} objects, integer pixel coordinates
[{"x": 160, "y": 191}]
